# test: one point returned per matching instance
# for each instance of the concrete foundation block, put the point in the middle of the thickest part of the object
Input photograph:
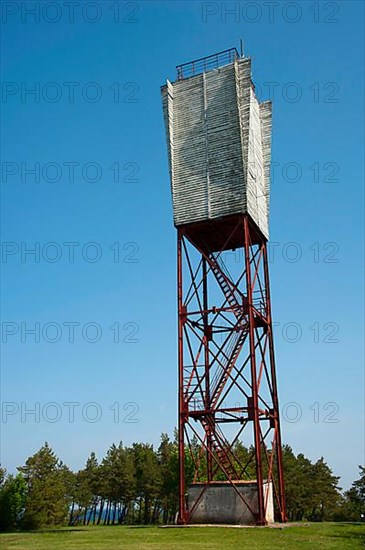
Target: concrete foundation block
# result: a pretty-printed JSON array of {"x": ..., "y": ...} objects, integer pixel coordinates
[{"x": 221, "y": 503}]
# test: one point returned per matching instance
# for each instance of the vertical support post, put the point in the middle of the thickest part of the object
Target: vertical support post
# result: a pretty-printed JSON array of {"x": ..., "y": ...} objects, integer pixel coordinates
[
  {"x": 182, "y": 516},
  {"x": 256, "y": 422},
  {"x": 277, "y": 440},
  {"x": 206, "y": 367}
]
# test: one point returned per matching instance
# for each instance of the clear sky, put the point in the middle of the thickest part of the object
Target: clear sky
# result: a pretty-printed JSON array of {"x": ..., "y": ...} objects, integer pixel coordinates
[{"x": 92, "y": 132}]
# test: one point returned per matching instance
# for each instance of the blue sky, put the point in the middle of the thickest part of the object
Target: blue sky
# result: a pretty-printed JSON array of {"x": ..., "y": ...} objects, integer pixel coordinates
[{"x": 112, "y": 129}]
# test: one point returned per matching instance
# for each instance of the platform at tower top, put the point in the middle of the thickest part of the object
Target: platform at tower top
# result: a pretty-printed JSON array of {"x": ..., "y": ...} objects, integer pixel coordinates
[
  {"x": 203, "y": 64},
  {"x": 222, "y": 234}
]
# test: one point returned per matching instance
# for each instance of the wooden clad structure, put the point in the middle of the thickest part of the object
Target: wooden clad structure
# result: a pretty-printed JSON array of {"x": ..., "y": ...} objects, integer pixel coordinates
[{"x": 219, "y": 145}]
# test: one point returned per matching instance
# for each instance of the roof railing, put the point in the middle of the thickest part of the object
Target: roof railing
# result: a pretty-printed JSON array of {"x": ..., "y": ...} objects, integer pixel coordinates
[{"x": 192, "y": 68}]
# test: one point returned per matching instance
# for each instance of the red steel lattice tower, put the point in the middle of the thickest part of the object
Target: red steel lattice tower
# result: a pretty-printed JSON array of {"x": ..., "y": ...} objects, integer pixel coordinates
[{"x": 229, "y": 425}]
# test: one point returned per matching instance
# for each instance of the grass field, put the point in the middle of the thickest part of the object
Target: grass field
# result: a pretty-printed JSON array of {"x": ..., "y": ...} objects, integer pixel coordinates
[{"x": 326, "y": 536}]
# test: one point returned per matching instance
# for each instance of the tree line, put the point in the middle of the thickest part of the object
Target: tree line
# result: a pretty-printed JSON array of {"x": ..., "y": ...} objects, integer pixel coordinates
[{"x": 139, "y": 485}]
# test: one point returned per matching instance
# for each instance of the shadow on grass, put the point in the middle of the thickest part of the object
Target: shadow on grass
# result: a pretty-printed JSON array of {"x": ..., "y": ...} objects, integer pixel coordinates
[
  {"x": 83, "y": 529},
  {"x": 55, "y": 531},
  {"x": 140, "y": 526},
  {"x": 355, "y": 534}
]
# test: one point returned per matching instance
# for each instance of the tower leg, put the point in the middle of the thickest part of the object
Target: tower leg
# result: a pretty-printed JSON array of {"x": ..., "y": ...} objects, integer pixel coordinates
[
  {"x": 209, "y": 452},
  {"x": 255, "y": 405},
  {"x": 182, "y": 514},
  {"x": 277, "y": 437}
]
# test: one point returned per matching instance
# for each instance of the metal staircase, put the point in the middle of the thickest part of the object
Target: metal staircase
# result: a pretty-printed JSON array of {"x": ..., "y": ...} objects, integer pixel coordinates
[
  {"x": 237, "y": 300},
  {"x": 222, "y": 454}
]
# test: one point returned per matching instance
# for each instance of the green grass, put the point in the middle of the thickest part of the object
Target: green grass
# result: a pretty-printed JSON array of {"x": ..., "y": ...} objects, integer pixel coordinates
[{"x": 326, "y": 536}]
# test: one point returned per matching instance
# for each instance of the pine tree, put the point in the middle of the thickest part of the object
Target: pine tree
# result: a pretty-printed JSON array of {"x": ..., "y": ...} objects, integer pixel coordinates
[
  {"x": 148, "y": 481},
  {"x": 118, "y": 474},
  {"x": 12, "y": 500},
  {"x": 325, "y": 492},
  {"x": 168, "y": 461},
  {"x": 353, "y": 506},
  {"x": 47, "y": 499}
]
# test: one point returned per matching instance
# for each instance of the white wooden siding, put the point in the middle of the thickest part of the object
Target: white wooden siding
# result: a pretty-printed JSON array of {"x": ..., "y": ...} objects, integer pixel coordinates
[{"x": 219, "y": 144}]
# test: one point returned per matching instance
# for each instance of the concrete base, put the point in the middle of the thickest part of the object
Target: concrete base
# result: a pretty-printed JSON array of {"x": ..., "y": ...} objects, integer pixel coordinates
[{"x": 220, "y": 502}]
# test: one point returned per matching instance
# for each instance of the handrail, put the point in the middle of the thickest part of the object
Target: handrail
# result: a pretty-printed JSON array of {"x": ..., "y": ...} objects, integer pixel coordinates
[{"x": 213, "y": 61}]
